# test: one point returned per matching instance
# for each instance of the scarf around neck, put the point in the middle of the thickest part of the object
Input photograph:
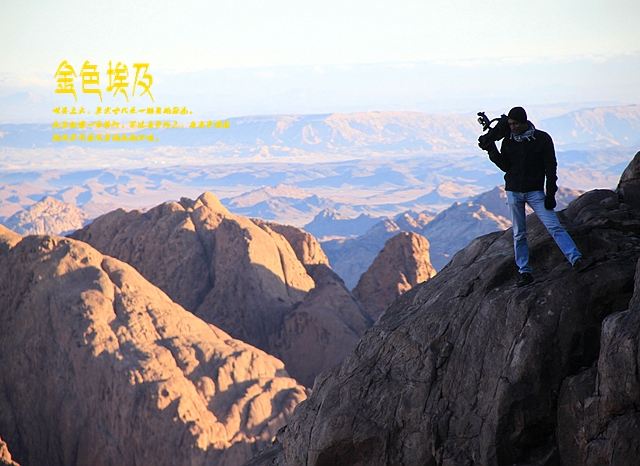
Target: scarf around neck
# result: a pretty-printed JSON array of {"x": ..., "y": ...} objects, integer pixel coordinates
[{"x": 526, "y": 136}]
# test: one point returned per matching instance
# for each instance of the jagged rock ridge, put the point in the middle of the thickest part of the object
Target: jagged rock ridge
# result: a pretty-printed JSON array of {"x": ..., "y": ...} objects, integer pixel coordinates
[{"x": 242, "y": 276}]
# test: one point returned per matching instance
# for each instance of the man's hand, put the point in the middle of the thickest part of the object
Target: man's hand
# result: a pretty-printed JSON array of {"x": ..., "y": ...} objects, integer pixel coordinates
[
  {"x": 485, "y": 142},
  {"x": 550, "y": 202}
]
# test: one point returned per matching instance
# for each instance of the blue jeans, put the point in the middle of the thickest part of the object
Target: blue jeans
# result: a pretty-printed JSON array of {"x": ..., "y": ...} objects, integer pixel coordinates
[{"x": 550, "y": 220}]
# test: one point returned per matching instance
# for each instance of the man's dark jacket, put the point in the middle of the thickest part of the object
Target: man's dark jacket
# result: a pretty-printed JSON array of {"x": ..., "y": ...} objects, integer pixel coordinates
[{"x": 527, "y": 163}]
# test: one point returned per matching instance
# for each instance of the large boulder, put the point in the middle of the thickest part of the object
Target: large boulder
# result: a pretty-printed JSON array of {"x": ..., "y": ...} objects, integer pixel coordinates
[
  {"x": 629, "y": 185},
  {"x": 469, "y": 369},
  {"x": 99, "y": 367}
]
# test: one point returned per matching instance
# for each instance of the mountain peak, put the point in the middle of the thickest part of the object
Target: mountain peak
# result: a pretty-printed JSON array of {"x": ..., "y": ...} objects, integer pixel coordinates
[
  {"x": 47, "y": 216},
  {"x": 211, "y": 201},
  {"x": 402, "y": 264}
]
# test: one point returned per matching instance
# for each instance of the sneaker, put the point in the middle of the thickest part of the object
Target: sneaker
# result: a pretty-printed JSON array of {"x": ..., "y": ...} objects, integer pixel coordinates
[
  {"x": 582, "y": 264},
  {"x": 525, "y": 279}
]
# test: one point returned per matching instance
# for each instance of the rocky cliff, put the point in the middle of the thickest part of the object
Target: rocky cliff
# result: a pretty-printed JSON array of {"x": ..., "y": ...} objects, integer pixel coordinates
[
  {"x": 402, "y": 264},
  {"x": 99, "y": 367},
  {"x": 467, "y": 369},
  {"x": 5, "y": 455},
  {"x": 255, "y": 280},
  {"x": 307, "y": 248},
  {"x": 319, "y": 331}
]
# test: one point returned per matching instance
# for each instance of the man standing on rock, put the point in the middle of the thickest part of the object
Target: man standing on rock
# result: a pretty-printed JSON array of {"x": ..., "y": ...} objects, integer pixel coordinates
[{"x": 527, "y": 157}]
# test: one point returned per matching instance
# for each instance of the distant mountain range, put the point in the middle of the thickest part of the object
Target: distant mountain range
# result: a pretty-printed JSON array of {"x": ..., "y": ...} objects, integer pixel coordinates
[
  {"x": 329, "y": 223},
  {"x": 286, "y": 204},
  {"x": 278, "y": 136},
  {"x": 376, "y": 164}
]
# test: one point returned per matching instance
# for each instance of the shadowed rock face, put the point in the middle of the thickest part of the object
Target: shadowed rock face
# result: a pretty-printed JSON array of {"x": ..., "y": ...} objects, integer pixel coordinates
[
  {"x": 317, "y": 333},
  {"x": 322, "y": 329},
  {"x": 598, "y": 418},
  {"x": 402, "y": 264},
  {"x": 307, "y": 248},
  {"x": 256, "y": 280},
  {"x": 468, "y": 369},
  {"x": 99, "y": 367},
  {"x": 629, "y": 185}
]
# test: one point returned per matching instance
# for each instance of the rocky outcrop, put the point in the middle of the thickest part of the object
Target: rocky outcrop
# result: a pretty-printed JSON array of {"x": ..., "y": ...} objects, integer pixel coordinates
[
  {"x": 99, "y": 367},
  {"x": 5, "y": 455},
  {"x": 629, "y": 185},
  {"x": 598, "y": 418},
  {"x": 401, "y": 265},
  {"x": 8, "y": 239},
  {"x": 469, "y": 369},
  {"x": 307, "y": 248},
  {"x": 240, "y": 275},
  {"x": 221, "y": 266},
  {"x": 47, "y": 216},
  {"x": 351, "y": 257}
]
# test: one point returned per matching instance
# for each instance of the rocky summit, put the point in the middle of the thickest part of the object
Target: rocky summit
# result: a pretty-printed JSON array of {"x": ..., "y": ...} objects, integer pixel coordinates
[
  {"x": 402, "y": 264},
  {"x": 267, "y": 284},
  {"x": 468, "y": 369},
  {"x": 99, "y": 367}
]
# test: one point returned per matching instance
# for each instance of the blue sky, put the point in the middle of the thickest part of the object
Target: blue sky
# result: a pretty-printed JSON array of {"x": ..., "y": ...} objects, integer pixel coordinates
[{"x": 247, "y": 57}]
